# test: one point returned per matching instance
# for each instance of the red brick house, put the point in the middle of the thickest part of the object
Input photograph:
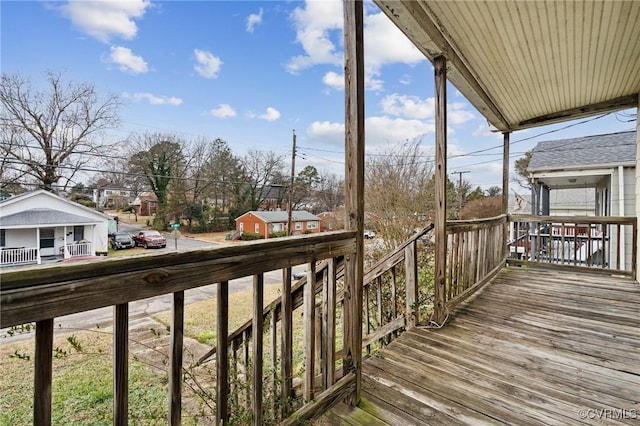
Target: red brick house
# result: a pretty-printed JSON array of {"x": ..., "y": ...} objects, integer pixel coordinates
[
  {"x": 146, "y": 204},
  {"x": 266, "y": 222}
]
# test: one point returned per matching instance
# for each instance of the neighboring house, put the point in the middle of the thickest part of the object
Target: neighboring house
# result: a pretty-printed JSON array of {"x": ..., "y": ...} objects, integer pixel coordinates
[
  {"x": 266, "y": 222},
  {"x": 586, "y": 176},
  {"x": 146, "y": 204},
  {"x": 110, "y": 196},
  {"x": 40, "y": 224}
]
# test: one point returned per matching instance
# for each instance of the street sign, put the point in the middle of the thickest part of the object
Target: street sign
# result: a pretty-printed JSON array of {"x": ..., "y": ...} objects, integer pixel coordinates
[{"x": 175, "y": 225}]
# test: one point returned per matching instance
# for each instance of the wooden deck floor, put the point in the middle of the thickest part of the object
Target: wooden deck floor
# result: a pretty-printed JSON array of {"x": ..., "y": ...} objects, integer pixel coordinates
[{"x": 535, "y": 348}]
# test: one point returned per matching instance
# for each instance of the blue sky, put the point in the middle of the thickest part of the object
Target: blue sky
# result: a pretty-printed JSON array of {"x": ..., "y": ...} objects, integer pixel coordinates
[{"x": 250, "y": 72}]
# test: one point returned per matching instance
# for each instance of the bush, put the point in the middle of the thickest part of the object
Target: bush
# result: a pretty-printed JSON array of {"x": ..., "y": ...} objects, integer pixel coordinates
[
  {"x": 277, "y": 234},
  {"x": 249, "y": 236}
]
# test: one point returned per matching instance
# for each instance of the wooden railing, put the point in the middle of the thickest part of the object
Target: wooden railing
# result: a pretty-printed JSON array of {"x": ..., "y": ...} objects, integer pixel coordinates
[
  {"x": 390, "y": 303},
  {"x": 77, "y": 249},
  {"x": 475, "y": 253},
  {"x": 18, "y": 256},
  {"x": 599, "y": 243},
  {"x": 42, "y": 294}
]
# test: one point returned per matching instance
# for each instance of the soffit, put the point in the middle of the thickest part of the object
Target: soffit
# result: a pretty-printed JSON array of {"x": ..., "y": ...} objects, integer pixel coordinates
[{"x": 528, "y": 63}]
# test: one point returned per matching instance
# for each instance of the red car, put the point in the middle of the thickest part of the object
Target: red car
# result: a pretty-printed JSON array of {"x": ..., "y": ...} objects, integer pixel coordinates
[{"x": 150, "y": 238}]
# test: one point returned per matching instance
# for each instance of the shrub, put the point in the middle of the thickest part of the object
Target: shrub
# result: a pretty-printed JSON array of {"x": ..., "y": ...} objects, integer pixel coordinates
[
  {"x": 248, "y": 236},
  {"x": 277, "y": 234}
]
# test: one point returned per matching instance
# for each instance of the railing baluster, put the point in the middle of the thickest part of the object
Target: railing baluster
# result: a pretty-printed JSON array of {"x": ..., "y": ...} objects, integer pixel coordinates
[
  {"x": 309, "y": 331},
  {"x": 258, "y": 328},
  {"x": 411, "y": 284},
  {"x": 379, "y": 301},
  {"x": 367, "y": 318},
  {"x": 274, "y": 361},
  {"x": 120, "y": 364},
  {"x": 175, "y": 360},
  {"x": 330, "y": 324},
  {"x": 286, "y": 358},
  {"x": 222, "y": 355},
  {"x": 618, "y": 246},
  {"x": 43, "y": 373}
]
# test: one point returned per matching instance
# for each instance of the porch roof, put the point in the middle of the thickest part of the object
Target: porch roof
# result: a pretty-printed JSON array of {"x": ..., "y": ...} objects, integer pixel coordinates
[
  {"x": 525, "y": 64},
  {"x": 609, "y": 150},
  {"x": 43, "y": 217}
]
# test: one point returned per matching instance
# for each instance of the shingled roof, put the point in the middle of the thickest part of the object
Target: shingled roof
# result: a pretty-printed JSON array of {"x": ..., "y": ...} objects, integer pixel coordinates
[{"x": 588, "y": 151}]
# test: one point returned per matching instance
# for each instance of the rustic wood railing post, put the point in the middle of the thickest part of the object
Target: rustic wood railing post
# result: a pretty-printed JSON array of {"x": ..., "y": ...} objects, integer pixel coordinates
[
  {"x": 286, "y": 357},
  {"x": 411, "y": 278},
  {"x": 505, "y": 193},
  {"x": 309, "y": 332},
  {"x": 175, "y": 361},
  {"x": 120, "y": 364},
  {"x": 354, "y": 188},
  {"x": 43, "y": 373},
  {"x": 258, "y": 328},
  {"x": 440, "y": 222},
  {"x": 222, "y": 355}
]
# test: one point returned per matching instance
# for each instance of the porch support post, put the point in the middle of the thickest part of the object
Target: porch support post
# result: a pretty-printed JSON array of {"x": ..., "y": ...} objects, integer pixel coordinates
[
  {"x": 505, "y": 191},
  {"x": 354, "y": 188},
  {"x": 38, "y": 245},
  {"x": 440, "y": 69},
  {"x": 64, "y": 242},
  {"x": 637, "y": 248}
]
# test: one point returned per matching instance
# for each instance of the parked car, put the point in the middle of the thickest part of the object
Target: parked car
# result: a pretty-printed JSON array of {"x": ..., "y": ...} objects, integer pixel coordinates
[
  {"x": 121, "y": 240},
  {"x": 150, "y": 238},
  {"x": 369, "y": 234}
]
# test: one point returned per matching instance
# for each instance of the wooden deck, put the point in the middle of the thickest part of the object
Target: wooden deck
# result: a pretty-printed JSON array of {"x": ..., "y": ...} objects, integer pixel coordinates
[{"x": 536, "y": 347}]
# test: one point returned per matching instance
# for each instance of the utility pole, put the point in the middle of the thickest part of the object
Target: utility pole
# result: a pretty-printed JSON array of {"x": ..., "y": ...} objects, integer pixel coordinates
[
  {"x": 293, "y": 175},
  {"x": 460, "y": 189}
]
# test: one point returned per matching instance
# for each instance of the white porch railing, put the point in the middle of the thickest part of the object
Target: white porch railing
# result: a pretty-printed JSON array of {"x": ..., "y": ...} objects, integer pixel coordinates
[
  {"x": 84, "y": 248},
  {"x": 18, "y": 256}
]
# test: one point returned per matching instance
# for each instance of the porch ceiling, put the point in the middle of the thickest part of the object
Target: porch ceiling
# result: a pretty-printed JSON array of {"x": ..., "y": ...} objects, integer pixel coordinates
[{"x": 524, "y": 64}]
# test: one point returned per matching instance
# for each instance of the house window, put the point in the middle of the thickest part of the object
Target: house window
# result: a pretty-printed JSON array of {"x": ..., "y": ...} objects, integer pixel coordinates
[
  {"x": 47, "y": 238},
  {"x": 312, "y": 225},
  {"x": 3, "y": 238},
  {"x": 257, "y": 228},
  {"x": 78, "y": 233},
  {"x": 298, "y": 226},
  {"x": 241, "y": 226}
]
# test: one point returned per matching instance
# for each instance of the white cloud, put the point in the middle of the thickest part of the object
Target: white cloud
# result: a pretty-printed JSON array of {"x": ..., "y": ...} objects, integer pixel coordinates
[
  {"x": 253, "y": 20},
  {"x": 106, "y": 19},
  {"x": 271, "y": 114},
  {"x": 153, "y": 99},
  {"x": 319, "y": 30},
  {"x": 379, "y": 131},
  {"x": 457, "y": 113},
  {"x": 207, "y": 64},
  {"x": 315, "y": 23},
  {"x": 486, "y": 130},
  {"x": 223, "y": 111},
  {"x": 127, "y": 61},
  {"x": 408, "y": 106},
  {"x": 334, "y": 80}
]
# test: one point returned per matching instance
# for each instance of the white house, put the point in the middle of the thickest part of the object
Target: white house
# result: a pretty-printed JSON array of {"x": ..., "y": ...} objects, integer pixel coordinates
[
  {"x": 40, "y": 224},
  {"x": 587, "y": 176}
]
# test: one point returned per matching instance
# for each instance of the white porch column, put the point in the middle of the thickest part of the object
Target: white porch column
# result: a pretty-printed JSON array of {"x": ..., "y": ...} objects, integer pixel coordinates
[
  {"x": 621, "y": 212},
  {"x": 38, "y": 245},
  {"x": 64, "y": 243}
]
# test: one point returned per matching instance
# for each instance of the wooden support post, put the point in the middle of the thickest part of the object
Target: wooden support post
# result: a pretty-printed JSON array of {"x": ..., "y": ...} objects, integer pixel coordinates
[
  {"x": 175, "y": 358},
  {"x": 222, "y": 355},
  {"x": 43, "y": 373},
  {"x": 258, "y": 327},
  {"x": 505, "y": 191},
  {"x": 120, "y": 364},
  {"x": 354, "y": 188},
  {"x": 440, "y": 70}
]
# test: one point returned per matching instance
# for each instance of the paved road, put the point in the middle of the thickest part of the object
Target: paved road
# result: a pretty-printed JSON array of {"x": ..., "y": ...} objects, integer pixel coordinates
[{"x": 145, "y": 307}]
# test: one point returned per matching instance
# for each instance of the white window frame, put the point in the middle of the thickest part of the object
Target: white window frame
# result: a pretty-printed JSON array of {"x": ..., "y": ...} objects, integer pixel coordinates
[
  {"x": 312, "y": 225},
  {"x": 298, "y": 226},
  {"x": 257, "y": 228}
]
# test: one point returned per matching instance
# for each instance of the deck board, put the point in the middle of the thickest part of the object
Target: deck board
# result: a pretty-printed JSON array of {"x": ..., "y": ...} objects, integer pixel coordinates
[{"x": 535, "y": 347}]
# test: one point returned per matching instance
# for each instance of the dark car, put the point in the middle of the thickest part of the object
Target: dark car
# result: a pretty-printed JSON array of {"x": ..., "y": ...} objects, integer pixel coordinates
[
  {"x": 121, "y": 240},
  {"x": 150, "y": 238}
]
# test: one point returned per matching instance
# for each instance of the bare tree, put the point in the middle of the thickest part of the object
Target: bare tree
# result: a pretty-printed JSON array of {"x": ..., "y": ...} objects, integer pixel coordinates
[
  {"x": 261, "y": 169},
  {"x": 397, "y": 191},
  {"x": 49, "y": 135},
  {"x": 331, "y": 192},
  {"x": 160, "y": 158}
]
